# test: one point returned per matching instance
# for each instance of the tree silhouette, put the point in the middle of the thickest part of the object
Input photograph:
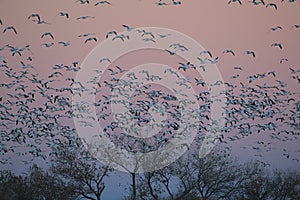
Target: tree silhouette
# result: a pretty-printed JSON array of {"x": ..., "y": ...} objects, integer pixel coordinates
[{"x": 84, "y": 173}]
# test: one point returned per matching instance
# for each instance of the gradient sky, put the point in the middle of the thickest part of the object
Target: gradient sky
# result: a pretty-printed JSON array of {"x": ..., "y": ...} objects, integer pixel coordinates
[{"x": 214, "y": 24}]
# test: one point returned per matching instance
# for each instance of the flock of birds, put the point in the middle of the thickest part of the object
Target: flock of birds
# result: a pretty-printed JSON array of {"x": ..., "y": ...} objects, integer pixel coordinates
[{"x": 36, "y": 113}]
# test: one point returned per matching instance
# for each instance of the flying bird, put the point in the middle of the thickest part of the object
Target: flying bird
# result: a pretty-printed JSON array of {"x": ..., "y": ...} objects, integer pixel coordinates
[
  {"x": 296, "y": 26},
  {"x": 85, "y": 17},
  {"x": 83, "y": 1},
  {"x": 90, "y": 39},
  {"x": 47, "y": 34},
  {"x": 86, "y": 34},
  {"x": 172, "y": 53},
  {"x": 232, "y": 1},
  {"x": 110, "y": 33},
  {"x": 276, "y": 45},
  {"x": 229, "y": 51},
  {"x": 272, "y": 4},
  {"x": 250, "y": 53},
  {"x": 48, "y": 44},
  {"x": 64, "y": 14},
  {"x": 121, "y": 37},
  {"x": 238, "y": 68},
  {"x": 35, "y": 15},
  {"x": 206, "y": 52},
  {"x": 104, "y": 59},
  {"x": 161, "y": 3},
  {"x": 40, "y": 22},
  {"x": 102, "y": 2},
  {"x": 184, "y": 66},
  {"x": 10, "y": 28},
  {"x": 128, "y": 28},
  {"x": 257, "y": 2},
  {"x": 176, "y": 2},
  {"x": 65, "y": 44},
  {"x": 294, "y": 71},
  {"x": 276, "y": 28},
  {"x": 283, "y": 59}
]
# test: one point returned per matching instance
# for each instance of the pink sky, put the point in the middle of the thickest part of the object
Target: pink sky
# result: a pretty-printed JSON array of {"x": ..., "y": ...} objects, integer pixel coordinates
[{"x": 216, "y": 25}]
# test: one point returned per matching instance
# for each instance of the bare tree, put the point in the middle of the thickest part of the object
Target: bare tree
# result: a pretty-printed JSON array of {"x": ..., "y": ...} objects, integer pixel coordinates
[
  {"x": 285, "y": 185},
  {"x": 84, "y": 173},
  {"x": 258, "y": 183},
  {"x": 191, "y": 177},
  {"x": 45, "y": 185},
  {"x": 36, "y": 185},
  {"x": 11, "y": 186}
]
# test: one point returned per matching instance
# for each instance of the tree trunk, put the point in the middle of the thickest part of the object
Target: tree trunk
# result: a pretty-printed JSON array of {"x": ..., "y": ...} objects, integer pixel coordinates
[{"x": 133, "y": 186}]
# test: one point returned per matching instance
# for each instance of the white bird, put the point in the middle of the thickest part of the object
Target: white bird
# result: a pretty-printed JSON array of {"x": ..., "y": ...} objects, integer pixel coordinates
[
  {"x": 35, "y": 15},
  {"x": 104, "y": 59},
  {"x": 63, "y": 14},
  {"x": 272, "y": 4},
  {"x": 121, "y": 37},
  {"x": 10, "y": 28},
  {"x": 250, "y": 53},
  {"x": 83, "y": 1},
  {"x": 47, "y": 44},
  {"x": 206, "y": 52},
  {"x": 47, "y": 34},
  {"x": 229, "y": 51},
  {"x": 102, "y": 2},
  {"x": 232, "y": 1},
  {"x": 276, "y": 28},
  {"x": 161, "y": 3},
  {"x": 257, "y": 2},
  {"x": 65, "y": 44},
  {"x": 85, "y": 17},
  {"x": 128, "y": 28},
  {"x": 176, "y": 2},
  {"x": 276, "y": 45},
  {"x": 90, "y": 39},
  {"x": 110, "y": 33}
]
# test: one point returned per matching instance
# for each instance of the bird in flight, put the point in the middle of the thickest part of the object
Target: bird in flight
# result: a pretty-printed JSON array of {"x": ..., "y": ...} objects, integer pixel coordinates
[
  {"x": 272, "y": 4},
  {"x": 161, "y": 3},
  {"x": 110, "y": 33},
  {"x": 40, "y": 22},
  {"x": 90, "y": 39},
  {"x": 128, "y": 28},
  {"x": 283, "y": 59},
  {"x": 257, "y": 2},
  {"x": 47, "y": 34},
  {"x": 85, "y": 17},
  {"x": 276, "y": 28},
  {"x": 206, "y": 52},
  {"x": 229, "y": 51},
  {"x": 65, "y": 44},
  {"x": 104, "y": 59},
  {"x": 294, "y": 71},
  {"x": 35, "y": 15},
  {"x": 232, "y": 1},
  {"x": 276, "y": 45},
  {"x": 250, "y": 53},
  {"x": 86, "y": 34},
  {"x": 102, "y": 2},
  {"x": 48, "y": 44},
  {"x": 83, "y": 1},
  {"x": 10, "y": 28},
  {"x": 64, "y": 14},
  {"x": 184, "y": 66},
  {"x": 176, "y": 2},
  {"x": 121, "y": 37}
]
